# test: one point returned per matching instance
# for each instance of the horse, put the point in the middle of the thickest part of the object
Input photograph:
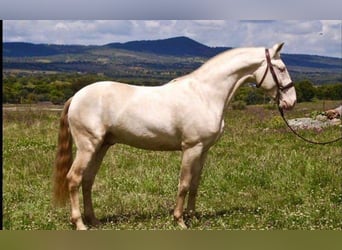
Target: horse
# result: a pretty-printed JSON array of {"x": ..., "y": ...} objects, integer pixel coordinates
[{"x": 185, "y": 114}]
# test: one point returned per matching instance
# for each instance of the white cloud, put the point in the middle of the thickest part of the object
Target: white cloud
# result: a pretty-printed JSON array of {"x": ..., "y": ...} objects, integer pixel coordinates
[
  {"x": 300, "y": 36},
  {"x": 152, "y": 24},
  {"x": 61, "y": 26}
]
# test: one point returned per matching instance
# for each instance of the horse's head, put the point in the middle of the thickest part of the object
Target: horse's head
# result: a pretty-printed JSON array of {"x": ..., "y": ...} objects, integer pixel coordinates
[{"x": 273, "y": 76}]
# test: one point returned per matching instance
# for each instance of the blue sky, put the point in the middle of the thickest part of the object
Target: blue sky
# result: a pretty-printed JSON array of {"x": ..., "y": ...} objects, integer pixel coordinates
[{"x": 319, "y": 37}]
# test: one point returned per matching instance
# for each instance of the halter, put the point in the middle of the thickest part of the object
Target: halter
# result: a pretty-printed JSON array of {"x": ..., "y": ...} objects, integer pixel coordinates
[{"x": 281, "y": 88}]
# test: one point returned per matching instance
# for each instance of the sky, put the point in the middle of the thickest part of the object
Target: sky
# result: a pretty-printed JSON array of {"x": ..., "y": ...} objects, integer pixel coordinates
[{"x": 315, "y": 37}]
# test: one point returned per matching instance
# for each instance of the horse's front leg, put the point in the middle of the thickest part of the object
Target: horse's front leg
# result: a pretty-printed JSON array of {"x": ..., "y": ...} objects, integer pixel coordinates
[
  {"x": 196, "y": 176},
  {"x": 191, "y": 160}
]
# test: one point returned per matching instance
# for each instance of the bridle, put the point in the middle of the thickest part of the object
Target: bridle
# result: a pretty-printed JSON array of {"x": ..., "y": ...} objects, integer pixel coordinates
[
  {"x": 274, "y": 76},
  {"x": 281, "y": 88}
]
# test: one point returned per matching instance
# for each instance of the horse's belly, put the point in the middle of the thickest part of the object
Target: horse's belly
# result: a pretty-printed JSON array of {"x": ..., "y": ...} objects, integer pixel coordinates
[{"x": 150, "y": 141}]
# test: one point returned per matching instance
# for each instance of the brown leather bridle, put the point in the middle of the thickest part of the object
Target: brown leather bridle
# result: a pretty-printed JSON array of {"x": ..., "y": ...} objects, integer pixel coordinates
[
  {"x": 274, "y": 76},
  {"x": 280, "y": 89}
]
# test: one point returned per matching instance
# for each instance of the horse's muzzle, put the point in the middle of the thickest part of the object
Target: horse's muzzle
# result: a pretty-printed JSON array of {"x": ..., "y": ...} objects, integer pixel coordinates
[{"x": 286, "y": 105}]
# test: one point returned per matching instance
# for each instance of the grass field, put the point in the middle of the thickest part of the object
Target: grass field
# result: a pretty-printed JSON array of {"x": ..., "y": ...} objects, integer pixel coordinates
[{"x": 258, "y": 176}]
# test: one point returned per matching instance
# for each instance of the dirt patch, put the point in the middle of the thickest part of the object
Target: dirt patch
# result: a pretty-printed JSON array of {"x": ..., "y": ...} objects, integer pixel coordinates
[{"x": 24, "y": 108}]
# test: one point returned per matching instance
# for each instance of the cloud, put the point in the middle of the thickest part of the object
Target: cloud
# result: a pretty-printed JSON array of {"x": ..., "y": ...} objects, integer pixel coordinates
[
  {"x": 67, "y": 32},
  {"x": 321, "y": 37}
]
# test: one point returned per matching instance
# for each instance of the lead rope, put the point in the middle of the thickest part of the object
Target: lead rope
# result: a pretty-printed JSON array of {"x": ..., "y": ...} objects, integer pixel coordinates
[{"x": 300, "y": 136}]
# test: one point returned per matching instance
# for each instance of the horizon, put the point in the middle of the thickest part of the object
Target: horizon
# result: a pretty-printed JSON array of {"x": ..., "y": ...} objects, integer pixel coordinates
[
  {"x": 313, "y": 37},
  {"x": 151, "y": 40}
]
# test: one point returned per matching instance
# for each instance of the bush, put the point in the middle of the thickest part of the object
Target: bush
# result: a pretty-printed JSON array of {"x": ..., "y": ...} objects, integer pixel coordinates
[
  {"x": 305, "y": 91},
  {"x": 276, "y": 122}
]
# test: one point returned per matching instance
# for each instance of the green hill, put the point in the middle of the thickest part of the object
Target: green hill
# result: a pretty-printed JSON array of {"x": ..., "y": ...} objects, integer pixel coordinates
[{"x": 158, "y": 60}]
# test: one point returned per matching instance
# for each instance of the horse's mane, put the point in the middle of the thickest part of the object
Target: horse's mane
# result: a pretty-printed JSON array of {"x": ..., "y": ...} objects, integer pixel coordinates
[
  {"x": 234, "y": 57},
  {"x": 231, "y": 53},
  {"x": 225, "y": 56}
]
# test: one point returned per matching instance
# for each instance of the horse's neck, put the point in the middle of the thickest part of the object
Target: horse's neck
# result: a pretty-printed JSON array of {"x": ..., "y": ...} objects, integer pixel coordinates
[{"x": 220, "y": 77}]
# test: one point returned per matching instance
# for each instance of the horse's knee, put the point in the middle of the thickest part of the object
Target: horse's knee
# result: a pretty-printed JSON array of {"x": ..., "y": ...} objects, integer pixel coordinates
[
  {"x": 193, "y": 189},
  {"x": 74, "y": 180},
  {"x": 183, "y": 188}
]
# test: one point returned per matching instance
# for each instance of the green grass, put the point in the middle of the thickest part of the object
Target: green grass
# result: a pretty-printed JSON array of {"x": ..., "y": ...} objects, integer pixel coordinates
[{"x": 258, "y": 176}]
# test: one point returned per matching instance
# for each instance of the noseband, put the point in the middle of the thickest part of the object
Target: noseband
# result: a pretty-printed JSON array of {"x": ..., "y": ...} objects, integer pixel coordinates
[{"x": 275, "y": 78}]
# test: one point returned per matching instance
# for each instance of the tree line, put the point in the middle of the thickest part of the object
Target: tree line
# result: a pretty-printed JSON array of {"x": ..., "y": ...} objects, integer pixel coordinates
[
  {"x": 57, "y": 88},
  {"x": 306, "y": 92}
]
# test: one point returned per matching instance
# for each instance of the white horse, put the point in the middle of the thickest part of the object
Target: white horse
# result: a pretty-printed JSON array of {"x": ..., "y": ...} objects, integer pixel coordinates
[{"x": 185, "y": 114}]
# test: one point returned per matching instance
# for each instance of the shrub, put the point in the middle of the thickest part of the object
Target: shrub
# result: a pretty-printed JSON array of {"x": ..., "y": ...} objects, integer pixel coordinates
[{"x": 275, "y": 122}]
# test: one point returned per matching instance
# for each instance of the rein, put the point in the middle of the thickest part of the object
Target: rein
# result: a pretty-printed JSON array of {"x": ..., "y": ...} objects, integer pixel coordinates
[{"x": 281, "y": 111}]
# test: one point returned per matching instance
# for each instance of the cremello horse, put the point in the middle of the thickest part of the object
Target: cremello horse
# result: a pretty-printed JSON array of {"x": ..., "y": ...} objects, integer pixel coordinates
[{"x": 185, "y": 114}]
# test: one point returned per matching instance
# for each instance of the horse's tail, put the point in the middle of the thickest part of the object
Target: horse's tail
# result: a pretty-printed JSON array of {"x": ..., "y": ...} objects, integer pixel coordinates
[{"x": 63, "y": 159}]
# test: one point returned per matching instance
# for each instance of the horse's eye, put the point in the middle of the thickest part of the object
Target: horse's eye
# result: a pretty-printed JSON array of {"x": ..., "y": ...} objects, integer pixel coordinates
[{"x": 282, "y": 69}]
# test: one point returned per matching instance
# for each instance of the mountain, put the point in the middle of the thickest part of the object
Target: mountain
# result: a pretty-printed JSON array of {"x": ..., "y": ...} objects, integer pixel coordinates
[
  {"x": 22, "y": 49},
  {"x": 177, "y": 46},
  {"x": 153, "y": 59}
]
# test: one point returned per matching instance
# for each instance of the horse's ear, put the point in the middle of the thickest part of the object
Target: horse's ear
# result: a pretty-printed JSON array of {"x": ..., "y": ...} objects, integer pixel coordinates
[{"x": 277, "y": 48}]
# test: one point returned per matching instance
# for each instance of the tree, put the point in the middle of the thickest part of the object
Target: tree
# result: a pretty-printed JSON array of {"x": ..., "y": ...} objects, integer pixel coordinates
[
  {"x": 32, "y": 98},
  {"x": 336, "y": 92},
  {"x": 305, "y": 91},
  {"x": 329, "y": 92},
  {"x": 56, "y": 96}
]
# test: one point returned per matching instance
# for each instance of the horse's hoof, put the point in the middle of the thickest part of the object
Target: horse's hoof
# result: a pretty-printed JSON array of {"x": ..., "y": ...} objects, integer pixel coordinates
[
  {"x": 95, "y": 223},
  {"x": 78, "y": 223},
  {"x": 181, "y": 223},
  {"x": 92, "y": 221},
  {"x": 83, "y": 228}
]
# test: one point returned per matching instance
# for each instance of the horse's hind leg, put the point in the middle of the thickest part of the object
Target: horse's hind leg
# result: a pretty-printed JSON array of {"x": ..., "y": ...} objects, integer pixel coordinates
[
  {"x": 82, "y": 161},
  {"x": 87, "y": 183}
]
